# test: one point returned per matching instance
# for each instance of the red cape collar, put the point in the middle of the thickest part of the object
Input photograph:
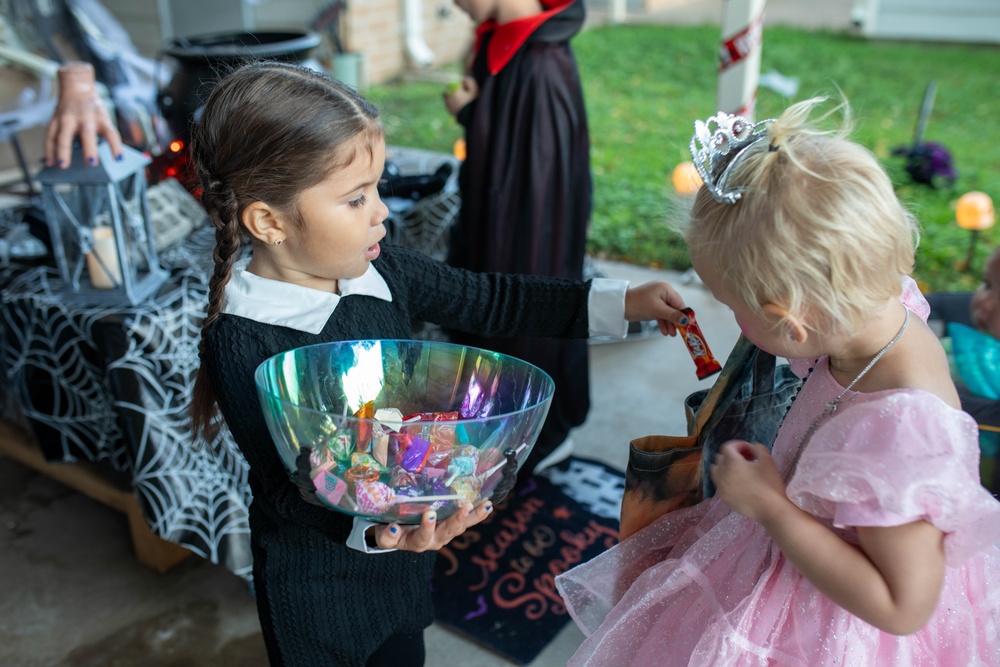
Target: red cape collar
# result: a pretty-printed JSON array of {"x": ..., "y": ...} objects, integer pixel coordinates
[{"x": 509, "y": 37}]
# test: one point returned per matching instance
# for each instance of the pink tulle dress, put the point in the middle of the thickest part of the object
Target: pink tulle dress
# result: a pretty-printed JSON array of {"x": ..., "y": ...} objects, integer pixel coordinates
[{"x": 705, "y": 586}]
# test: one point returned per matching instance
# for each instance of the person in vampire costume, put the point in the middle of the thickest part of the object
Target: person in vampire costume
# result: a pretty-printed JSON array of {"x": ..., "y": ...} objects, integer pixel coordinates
[{"x": 526, "y": 182}]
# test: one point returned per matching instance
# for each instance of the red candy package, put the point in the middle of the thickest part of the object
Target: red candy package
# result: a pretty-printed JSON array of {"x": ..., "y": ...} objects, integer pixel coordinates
[{"x": 705, "y": 363}]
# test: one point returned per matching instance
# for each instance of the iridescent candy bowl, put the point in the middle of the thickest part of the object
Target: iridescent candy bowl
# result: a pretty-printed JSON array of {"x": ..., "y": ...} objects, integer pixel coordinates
[{"x": 386, "y": 429}]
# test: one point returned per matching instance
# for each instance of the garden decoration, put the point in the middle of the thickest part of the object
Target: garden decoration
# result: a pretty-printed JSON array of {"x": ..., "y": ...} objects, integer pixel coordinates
[
  {"x": 927, "y": 162},
  {"x": 685, "y": 178},
  {"x": 974, "y": 212}
]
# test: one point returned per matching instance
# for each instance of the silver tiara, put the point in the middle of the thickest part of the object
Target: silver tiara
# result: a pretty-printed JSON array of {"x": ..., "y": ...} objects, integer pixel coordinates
[{"x": 718, "y": 145}]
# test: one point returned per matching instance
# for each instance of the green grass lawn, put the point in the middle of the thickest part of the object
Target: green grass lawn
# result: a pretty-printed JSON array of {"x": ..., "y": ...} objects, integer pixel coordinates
[{"x": 645, "y": 85}]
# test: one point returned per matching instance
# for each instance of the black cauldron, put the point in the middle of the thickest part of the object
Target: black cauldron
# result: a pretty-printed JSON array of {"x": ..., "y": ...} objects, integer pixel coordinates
[{"x": 204, "y": 60}]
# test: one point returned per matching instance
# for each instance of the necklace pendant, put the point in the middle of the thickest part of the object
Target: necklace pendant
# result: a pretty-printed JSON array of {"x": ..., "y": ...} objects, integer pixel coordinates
[{"x": 831, "y": 407}]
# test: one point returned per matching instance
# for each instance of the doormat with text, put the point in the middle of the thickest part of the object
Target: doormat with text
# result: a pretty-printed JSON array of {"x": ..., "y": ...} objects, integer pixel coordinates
[{"x": 495, "y": 582}]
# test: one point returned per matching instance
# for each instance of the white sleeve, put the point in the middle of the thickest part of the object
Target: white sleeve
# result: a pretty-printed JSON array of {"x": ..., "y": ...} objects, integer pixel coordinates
[
  {"x": 356, "y": 540},
  {"x": 606, "y": 306}
]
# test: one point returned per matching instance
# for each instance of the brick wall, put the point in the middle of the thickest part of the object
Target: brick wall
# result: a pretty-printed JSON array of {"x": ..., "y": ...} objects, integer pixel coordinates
[{"x": 377, "y": 28}]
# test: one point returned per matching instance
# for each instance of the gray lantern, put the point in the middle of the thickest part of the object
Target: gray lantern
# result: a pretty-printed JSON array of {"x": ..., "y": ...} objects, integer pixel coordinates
[{"x": 102, "y": 238}]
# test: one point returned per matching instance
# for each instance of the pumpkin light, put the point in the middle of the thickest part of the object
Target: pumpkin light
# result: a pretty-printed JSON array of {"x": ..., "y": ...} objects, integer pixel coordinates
[
  {"x": 974, "y": 211},
  {"x": 686, "y": 178}
]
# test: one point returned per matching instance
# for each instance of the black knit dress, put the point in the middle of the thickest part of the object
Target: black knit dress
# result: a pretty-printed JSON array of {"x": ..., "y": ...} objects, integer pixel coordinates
[{"x": 320, "y": 602}]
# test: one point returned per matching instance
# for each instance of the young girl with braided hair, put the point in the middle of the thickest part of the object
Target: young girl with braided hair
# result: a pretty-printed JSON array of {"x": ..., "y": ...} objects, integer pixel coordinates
[
  {"x": 864, "y": 536},
  {"x": 289, "y": 161}
]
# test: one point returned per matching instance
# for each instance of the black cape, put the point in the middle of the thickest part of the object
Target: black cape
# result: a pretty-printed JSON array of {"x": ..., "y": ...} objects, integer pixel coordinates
[{"x": 526, "y": 195}]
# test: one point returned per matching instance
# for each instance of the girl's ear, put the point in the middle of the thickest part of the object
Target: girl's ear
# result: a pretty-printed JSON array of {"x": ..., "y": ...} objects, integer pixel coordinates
[
  {"x": 263, "y": 223},
  {"x": 796, "y": 328}
]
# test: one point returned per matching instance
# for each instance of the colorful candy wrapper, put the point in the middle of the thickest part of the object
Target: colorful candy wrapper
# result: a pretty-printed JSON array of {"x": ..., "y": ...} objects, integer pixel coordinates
[
  {"x": 460, "y": 466},
  {"x": 321, "y": 457},
  {"x": 329, "y": 487},
  {"x": 443, "y": 435},
  {"x": 433, "y": 473},
  {"x": 380, "y": 446},
  {"x": 440, "y": 435},
  {"x": 390, "y": 418},
  {"x": 401, "y": 477},
  {"x": 366, "y": 460},
  {"x": 342, "y": 445},
  {"x": 358, "y": 474},
  {"x": 373, "y": 497},
  {"x": 414, "y": 456},
  {"x": 364, "y": 413},
  {"x": 468, "y": 488},
  {"x": 468, "y": 450},
  {"x": 705, "y": 363}
]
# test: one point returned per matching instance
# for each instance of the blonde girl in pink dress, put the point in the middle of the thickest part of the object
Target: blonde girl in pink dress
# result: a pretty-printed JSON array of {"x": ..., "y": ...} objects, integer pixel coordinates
[{"x": 864, "y": 537}]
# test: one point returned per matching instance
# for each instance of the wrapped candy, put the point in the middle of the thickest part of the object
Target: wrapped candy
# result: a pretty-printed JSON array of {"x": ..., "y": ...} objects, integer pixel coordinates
[
  {"x": 365, "y": 460},
  {"x": 414, "y": 456},
  {"x": 433, "y": 472},
  {"x": 705, "y": 363},
  {"x": 364, "y": 413},
  {"x": 390, "y": 418},
  {"x": 443, "y": 435},
  {"x": 411, "y": 492},
  {"x": 409, "y": 509},
  {"x": 438, "y": 487},
  {"x": 467, "y": 450},
  {"x": 380, "y": 445},
  {"x": 321, "y": 458},
  {"x": 375, "y": 498},
  {"x": 461, "y": 466},
  {"x": 417, "y": 484},
  {"x": 401, "y": 477},
  {"x": 440, "y": 435},
  {"x": 357, "y": 474},
  {"x": 419, "y": 417},
  {"x": 329, "y": 487},
  {"x": 467, "y": 488},
  {"x": 342, "y": 445}
]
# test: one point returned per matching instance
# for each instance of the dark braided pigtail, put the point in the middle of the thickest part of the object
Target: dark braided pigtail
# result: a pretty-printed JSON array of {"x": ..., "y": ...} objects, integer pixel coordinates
[{"x": 223, "y": 211}]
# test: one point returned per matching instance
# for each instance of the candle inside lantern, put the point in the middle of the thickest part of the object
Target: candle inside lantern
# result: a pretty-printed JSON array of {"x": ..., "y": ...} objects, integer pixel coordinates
[{"x": 108, "y": 276}]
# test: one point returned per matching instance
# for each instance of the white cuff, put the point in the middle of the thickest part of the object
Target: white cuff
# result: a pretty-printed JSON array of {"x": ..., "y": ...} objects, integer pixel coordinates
[
  {"x": 356, "y": 540},
  {"x": 606, "y": 305}
]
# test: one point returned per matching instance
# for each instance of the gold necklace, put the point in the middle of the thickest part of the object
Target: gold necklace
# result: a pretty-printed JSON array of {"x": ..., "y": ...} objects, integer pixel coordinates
[{"x": 831, "y": 406}]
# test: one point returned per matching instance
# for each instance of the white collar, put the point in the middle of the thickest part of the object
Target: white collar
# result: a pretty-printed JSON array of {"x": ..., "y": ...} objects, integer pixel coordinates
[{"x": 288, "y": 305}]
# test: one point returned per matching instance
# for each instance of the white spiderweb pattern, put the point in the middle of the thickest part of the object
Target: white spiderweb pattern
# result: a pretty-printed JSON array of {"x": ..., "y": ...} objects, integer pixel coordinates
[
  {"x": 112, "y": 384},
  {"x": 424, "y": 224}
]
